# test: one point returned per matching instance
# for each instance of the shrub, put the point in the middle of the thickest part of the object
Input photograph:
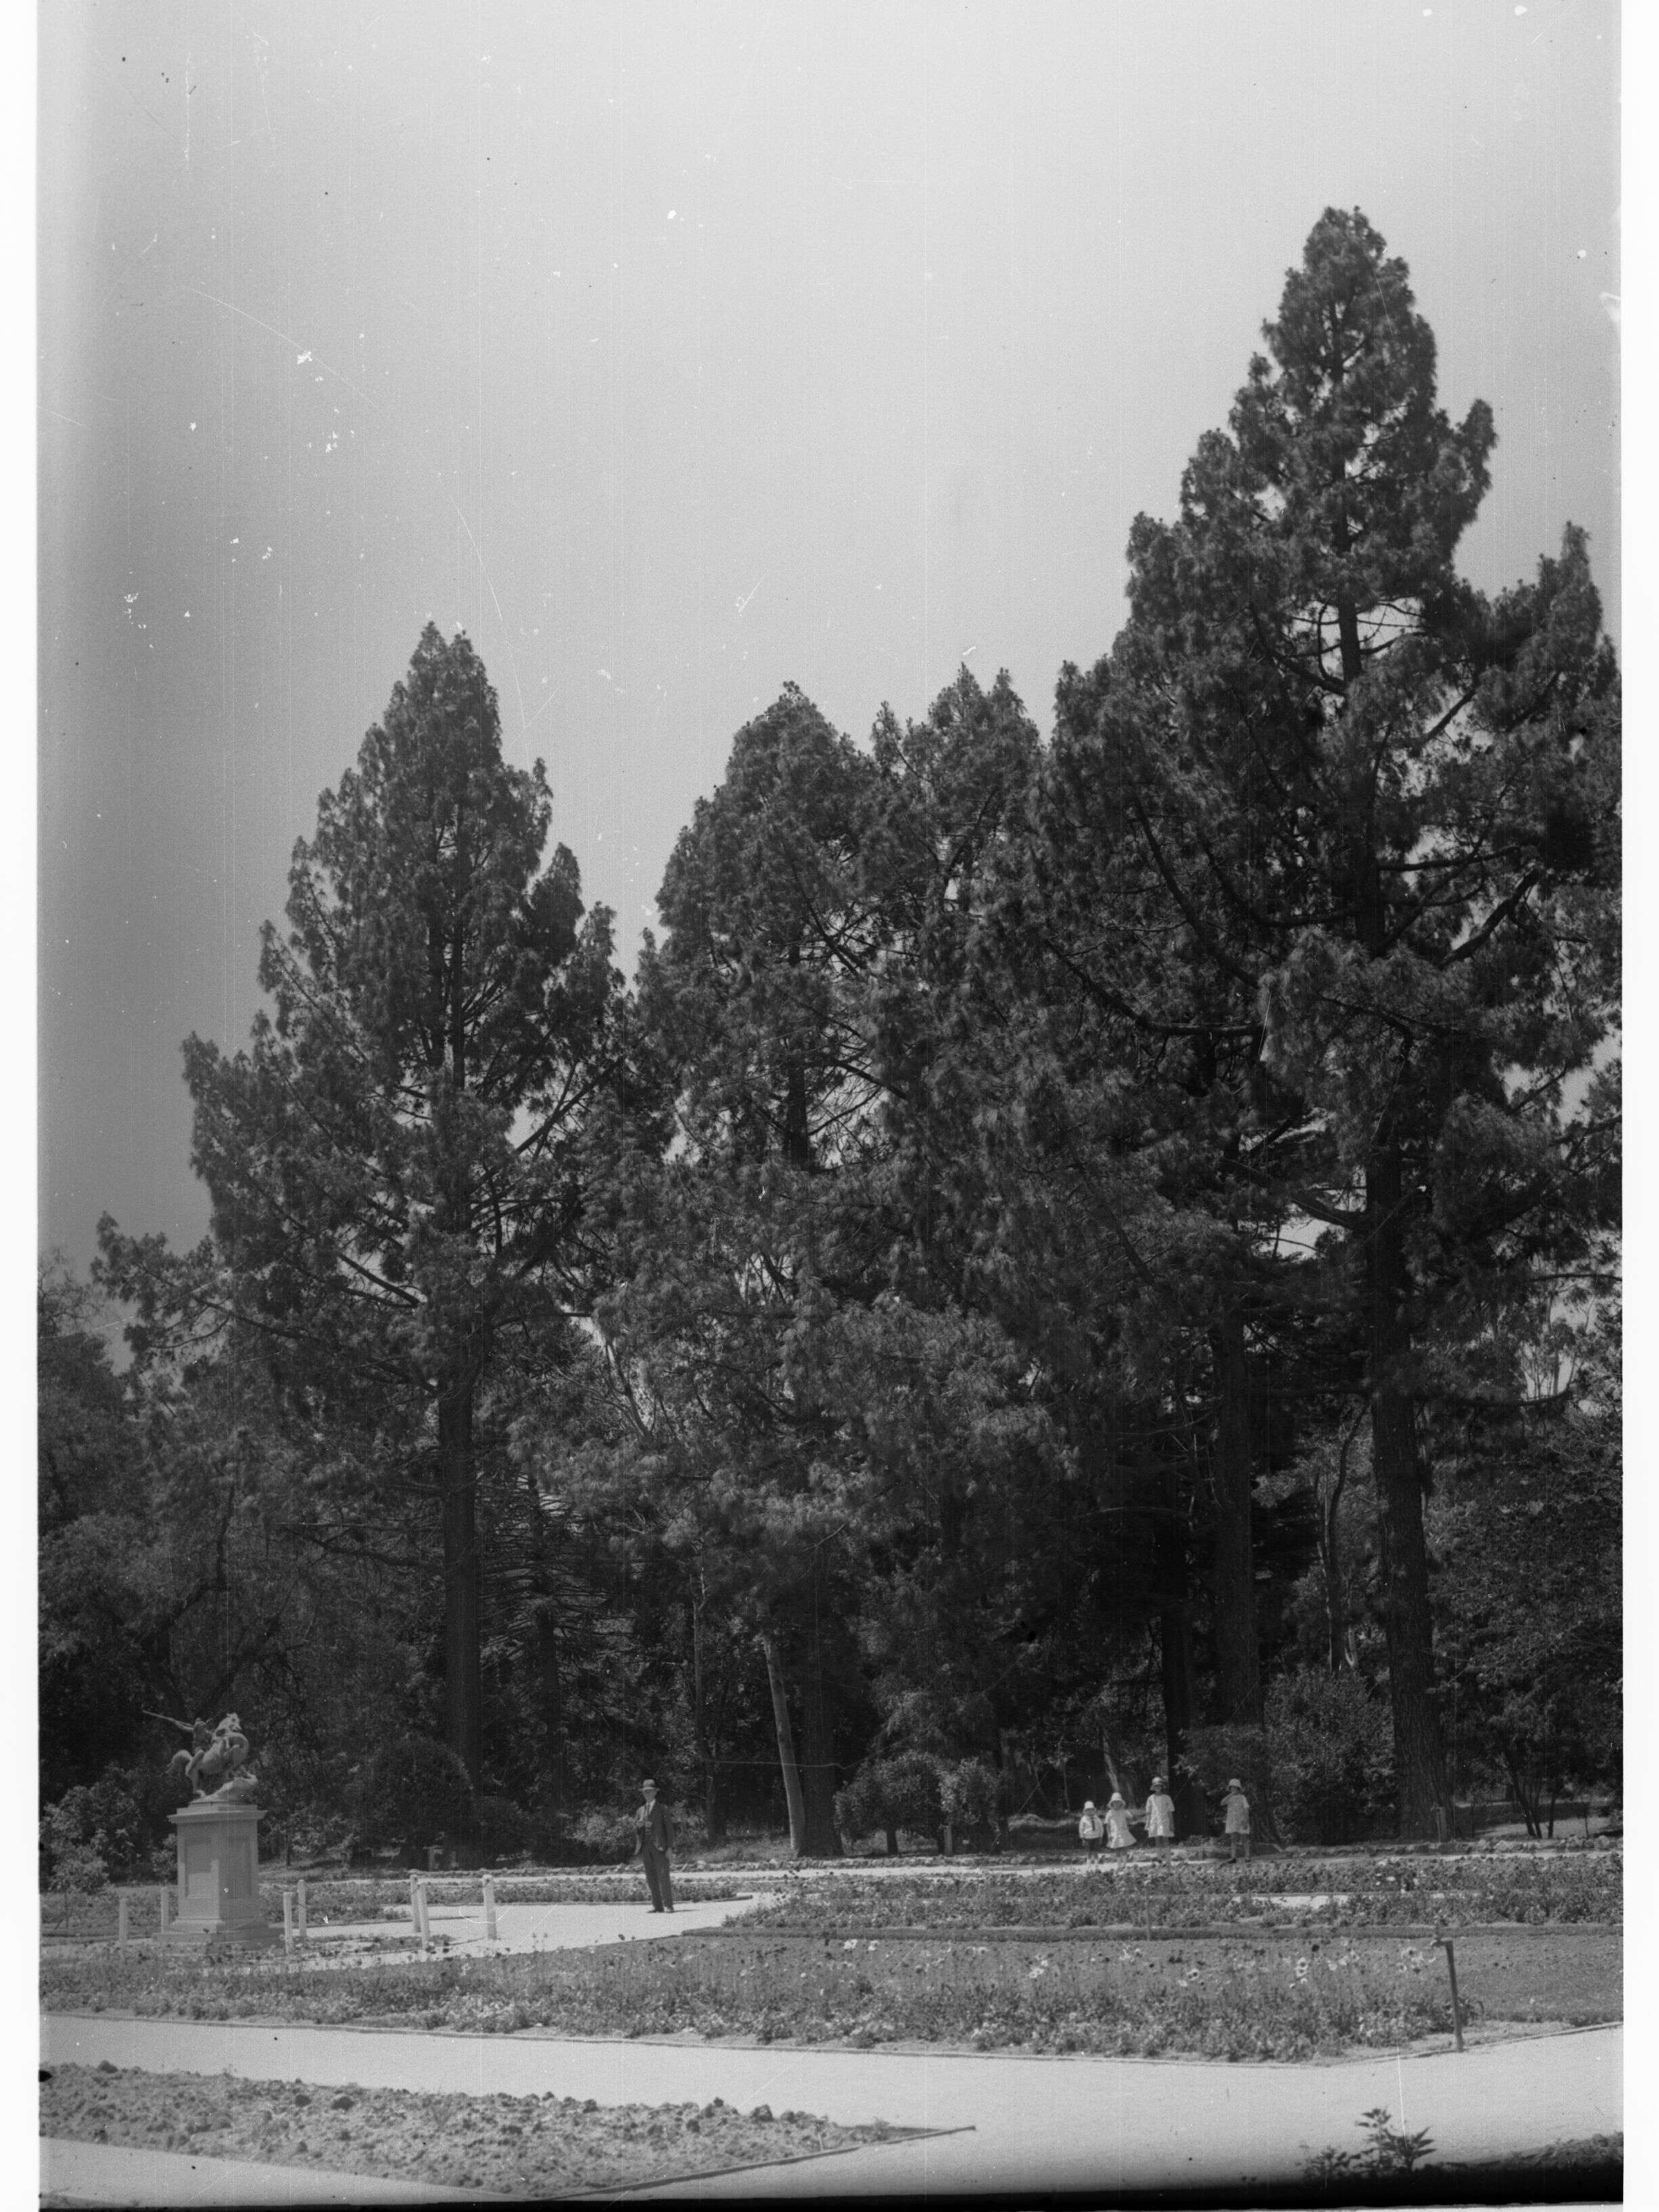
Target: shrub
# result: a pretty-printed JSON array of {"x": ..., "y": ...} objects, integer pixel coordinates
[
  {"x": 600, "y": 1836},
  {"x": 72, "y": 1849},
  {"x": 126, "y": 1810},
  {"x": 499, "y": 1829},
  {"x": 410, "y": 1793},
  {"x": 890, "y": 1793},
  {"x": 969, "y": 1795},
  {"x": 1331, "y": 1751}
]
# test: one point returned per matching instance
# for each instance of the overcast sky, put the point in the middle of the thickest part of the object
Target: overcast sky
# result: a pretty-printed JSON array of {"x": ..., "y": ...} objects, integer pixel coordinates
[{"x": 676, "y": 352}]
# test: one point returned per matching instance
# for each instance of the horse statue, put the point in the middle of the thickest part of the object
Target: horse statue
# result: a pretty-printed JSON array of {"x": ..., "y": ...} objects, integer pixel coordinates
[{"x": 217, "y": 1755}]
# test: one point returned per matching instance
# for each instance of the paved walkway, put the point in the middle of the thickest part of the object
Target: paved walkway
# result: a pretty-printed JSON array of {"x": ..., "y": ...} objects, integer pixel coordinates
[
  {"x": 550, "y": 1927},
  {"x": 1081, "y": 2123},
  {"x": 106, "y": 2173}
]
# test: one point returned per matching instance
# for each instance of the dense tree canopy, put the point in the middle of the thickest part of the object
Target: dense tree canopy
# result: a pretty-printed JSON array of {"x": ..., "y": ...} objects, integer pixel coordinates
[
  {"x": 1071, "y": 1259},
  {"x": 389, "y": 1161}
]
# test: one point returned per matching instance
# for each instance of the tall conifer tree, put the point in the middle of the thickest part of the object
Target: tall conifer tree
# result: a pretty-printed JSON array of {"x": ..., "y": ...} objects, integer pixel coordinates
[
  {"x": 391, "y": 1162},
  {"x": 1380, "y": 810}
]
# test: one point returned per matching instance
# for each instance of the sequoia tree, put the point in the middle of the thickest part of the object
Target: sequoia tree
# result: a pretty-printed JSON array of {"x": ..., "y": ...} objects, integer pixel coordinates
[
  {"x": 391, "y": 1162},
  {"x": 1382, "y": 811}
]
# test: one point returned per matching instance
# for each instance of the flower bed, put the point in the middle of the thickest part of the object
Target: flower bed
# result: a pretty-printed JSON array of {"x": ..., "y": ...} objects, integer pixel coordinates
[
  {"x": 535, "y": 2147},
  {"x": 1262, "y": 1997},
  {"x": 1194, "y": 1894}
]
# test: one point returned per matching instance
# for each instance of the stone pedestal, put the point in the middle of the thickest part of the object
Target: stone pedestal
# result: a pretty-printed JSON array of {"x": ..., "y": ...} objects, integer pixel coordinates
[{"x": 219, "y": 1875}]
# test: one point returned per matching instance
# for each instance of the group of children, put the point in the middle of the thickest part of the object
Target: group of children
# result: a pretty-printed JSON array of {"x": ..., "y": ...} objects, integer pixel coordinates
[{"x": 1113, "y": 1826}]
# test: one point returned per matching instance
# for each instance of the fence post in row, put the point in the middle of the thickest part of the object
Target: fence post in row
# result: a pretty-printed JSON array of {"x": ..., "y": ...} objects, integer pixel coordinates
[
  {"x": 490, "y": 1907},
  {"x": 163, "y": 1894},
  {"x": 302, "y": 1908},
  {"x": 288, "y": 1921},
  {"x": 120, "y": 1916},
  {"x": 1443, "y": 1942}
]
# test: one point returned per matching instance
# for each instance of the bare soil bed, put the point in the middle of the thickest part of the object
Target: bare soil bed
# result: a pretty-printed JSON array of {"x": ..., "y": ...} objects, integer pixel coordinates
[{"x": 536, "y": 2145}]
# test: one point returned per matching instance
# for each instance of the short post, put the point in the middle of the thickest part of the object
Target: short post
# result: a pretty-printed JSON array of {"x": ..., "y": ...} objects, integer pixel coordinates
[
  {"x": 120, "y": 1916},
  {"x": 161, "y": 1894},
  {"x": 425, "y": 1925},
  {"x": 414, "y": 1901},
  {"x": 1445, "y": 1943},
  {"x": 302, "y": 1908},
  {"x": 287, "y": 1920},
  {"x": 490, "y": 1907}
]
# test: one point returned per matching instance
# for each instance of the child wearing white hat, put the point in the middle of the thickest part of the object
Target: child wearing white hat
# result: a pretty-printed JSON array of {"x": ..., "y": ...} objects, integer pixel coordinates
[
  {"x": 1118, "y": 1834},
  {"x": 1160, "y": 1814},
  {"x": 1090, "y": 1829}
]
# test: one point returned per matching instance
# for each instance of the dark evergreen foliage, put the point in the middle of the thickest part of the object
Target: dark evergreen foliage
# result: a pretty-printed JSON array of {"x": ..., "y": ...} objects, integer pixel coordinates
[{"x": 1073, "y": 1260}]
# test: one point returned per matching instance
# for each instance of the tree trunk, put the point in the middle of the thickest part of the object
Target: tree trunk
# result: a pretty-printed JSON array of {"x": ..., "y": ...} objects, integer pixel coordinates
[
  {"x": 1420, "y": 1767},
  {"x": 702, "y": 1748},
  {"x": 1175, "y": 1650},
  {"x": 551, "y": 1687},
  {"x": 823, "y": 1838},
  {"x": 1329, "y": 1537},
  {"x": 786, "y": 1746},
  {"x": 713, "y": 1807},
  {"x": 1237, "y": 1659},
  {"x": 463, "y": 1677}
]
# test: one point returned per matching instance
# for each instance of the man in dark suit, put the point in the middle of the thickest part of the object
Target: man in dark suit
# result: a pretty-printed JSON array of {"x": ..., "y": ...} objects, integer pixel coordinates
[{"x": 655, "y": 1832}]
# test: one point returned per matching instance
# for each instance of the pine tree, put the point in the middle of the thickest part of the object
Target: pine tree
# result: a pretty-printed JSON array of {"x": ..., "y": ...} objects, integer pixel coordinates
[
  {"x": 393, "y": 1162},
  {"x": 1380, "y": 810}
]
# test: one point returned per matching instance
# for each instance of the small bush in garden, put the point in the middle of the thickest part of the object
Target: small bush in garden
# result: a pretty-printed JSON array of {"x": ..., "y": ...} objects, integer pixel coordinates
[
  {"x": 76, "y": 1865},
  {"x": 1389, "y": 2151},
  {"x": 499, "y": 1829},
  {"x": 605, "y": 1834},
  {"x": 902, "y": 1791},
  {"x": 127, "y": 1811},
  {"x": 969, "y": 1796},
  {"x": 1330, "y": 1747}
]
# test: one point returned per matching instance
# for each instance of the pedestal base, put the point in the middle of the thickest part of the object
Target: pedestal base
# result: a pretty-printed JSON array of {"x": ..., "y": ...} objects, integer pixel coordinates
[{"x": 219, "y": 1875}]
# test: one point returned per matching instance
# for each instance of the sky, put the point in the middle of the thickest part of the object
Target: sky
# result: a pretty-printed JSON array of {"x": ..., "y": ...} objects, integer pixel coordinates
[{"x": 677, "y": 352}]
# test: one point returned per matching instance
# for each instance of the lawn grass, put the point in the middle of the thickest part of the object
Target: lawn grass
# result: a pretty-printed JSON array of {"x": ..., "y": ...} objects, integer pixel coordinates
[{"x": 1289, "y": 1997}]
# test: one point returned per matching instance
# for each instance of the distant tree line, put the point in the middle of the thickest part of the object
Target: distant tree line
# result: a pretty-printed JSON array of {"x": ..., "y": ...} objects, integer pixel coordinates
[{"x": 1071, "y": 1258}]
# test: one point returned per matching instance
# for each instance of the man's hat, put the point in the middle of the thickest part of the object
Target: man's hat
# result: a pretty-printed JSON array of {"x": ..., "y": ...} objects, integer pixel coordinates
[{"x": 647, "y": 1783}]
